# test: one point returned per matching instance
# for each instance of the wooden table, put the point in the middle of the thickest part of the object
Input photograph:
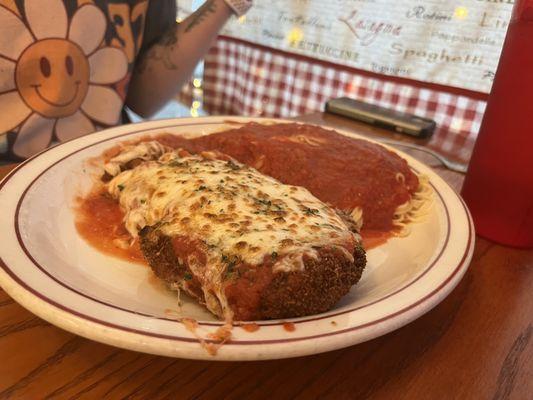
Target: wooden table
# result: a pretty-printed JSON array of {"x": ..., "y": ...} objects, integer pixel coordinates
[{"x": 477, "y": 344}]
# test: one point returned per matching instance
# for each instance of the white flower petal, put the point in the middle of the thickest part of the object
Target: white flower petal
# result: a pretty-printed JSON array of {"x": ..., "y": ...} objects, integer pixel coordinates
[
  {"x": 14, "y": 43},
  {"x": 47, "y": 18},
  {"x": 7, "y": 75},
  {"x": 34, "y": 136},
  {"x": 73, "y": 126},
  {"x": 108, "y": 65},
  {"x": 103, "y": 104},
  {"x": 13, "y": 111},
  {"x": 88, "y": 28}
]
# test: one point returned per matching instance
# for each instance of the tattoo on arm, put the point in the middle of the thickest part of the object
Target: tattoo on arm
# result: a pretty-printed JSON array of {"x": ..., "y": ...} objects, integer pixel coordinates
[
  {"x": 163, "y": 49},
  {"x": 160, "y": 51},
  {"x": 209, "y": 7}
]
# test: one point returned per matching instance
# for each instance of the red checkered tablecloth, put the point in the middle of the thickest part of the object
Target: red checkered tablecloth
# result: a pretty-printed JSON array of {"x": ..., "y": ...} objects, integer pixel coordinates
[{"x": 242, "y": 78}]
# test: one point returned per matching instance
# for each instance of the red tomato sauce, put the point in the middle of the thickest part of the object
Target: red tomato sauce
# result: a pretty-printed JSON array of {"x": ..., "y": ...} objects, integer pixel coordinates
[
  {"x": 289, "y": 326},
  {"x": 184, "y": 247},
  {"x": 244, "y": 294},
  {"x": 253, "y": 327},
  {"x": 99, "y": 221},
  {"x": 373, "y": 239}
]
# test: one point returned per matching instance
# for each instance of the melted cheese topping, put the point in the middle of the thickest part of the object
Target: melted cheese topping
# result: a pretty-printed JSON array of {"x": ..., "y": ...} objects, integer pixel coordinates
[
  {"x": 143, "y": 151},
  {"x": 234, "y": 210}
]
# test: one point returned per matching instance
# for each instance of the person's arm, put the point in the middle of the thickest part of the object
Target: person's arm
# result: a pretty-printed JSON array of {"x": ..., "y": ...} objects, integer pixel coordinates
[{"x": 161, "y": 71}]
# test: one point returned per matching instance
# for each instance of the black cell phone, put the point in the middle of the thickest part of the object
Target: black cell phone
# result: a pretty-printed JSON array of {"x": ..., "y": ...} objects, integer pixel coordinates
[{"x": 382, "y": 117}]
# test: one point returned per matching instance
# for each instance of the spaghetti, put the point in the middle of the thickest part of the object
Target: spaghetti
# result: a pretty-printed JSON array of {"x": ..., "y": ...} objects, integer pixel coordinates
[{"x": 414, "y": 210}]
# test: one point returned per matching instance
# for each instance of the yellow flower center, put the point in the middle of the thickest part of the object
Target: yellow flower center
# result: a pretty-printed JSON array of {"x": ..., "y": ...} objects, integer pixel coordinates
[{"x": 52, "y": 76}]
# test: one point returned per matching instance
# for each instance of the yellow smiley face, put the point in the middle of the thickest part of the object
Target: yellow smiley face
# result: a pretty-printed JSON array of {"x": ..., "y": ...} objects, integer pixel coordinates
[{"x": 52, "y": 76}]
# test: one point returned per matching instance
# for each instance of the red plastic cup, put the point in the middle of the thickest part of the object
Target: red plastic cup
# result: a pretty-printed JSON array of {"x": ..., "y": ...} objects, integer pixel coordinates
[{"x": 499, "y": 184}]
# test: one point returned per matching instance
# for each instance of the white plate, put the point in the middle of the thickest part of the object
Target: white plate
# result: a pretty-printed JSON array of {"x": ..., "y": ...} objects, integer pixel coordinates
[{"x": 50, "y": 270}]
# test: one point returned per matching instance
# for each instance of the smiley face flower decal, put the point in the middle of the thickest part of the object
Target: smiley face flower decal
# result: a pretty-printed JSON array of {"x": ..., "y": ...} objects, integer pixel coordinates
[{"x": 54, "y": 76}]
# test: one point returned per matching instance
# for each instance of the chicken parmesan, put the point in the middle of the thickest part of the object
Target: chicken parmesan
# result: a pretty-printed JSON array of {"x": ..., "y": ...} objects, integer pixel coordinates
[{"x": 244, "y": 244}]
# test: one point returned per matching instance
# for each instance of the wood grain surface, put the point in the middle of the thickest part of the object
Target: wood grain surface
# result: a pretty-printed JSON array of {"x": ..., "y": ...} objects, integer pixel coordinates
[{"x": 476, "y": 344}]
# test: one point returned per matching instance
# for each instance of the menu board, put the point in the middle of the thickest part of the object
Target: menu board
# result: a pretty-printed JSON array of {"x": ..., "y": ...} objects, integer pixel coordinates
[{"x": 455, "y": 43}]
